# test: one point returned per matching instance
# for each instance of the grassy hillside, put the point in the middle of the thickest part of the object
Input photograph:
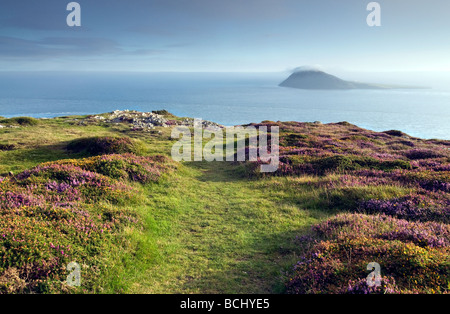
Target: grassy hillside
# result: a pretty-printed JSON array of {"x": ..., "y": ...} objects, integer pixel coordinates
[{"x": 103, "y": 191}]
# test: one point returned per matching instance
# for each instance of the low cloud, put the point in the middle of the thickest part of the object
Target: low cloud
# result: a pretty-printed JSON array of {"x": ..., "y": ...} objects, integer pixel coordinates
[
  {"x": 51, "y": 47},
  {"x": 307, "y": 68}
]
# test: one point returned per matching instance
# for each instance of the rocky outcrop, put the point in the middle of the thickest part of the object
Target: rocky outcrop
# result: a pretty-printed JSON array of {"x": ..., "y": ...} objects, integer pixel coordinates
[{"x": 142, "y": 120}]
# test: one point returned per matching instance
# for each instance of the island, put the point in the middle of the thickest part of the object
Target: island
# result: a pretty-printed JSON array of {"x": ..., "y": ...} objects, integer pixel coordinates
[{"x": 319, "y": 80}]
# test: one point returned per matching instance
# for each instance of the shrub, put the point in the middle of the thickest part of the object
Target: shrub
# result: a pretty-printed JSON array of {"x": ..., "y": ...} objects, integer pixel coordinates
[
  {"x": 163, "y": 113},
  {"x": 394, "y": 164},
  {"x": 342, "y": 163},
  {"x": 24, "y": 121},
  {"x": 141, "y": 169},
  {"x": 395, "y": 133},
  {"x": 106, "y": 145},
  {"x": 414, "y": 154},
  {"x": 292, "y": 139},
  {"x": 337, "y": 163},
  {"x": 131, "y": 167},
  {"x": 428, "y": 179},
  {"x": 7, "y": 146}
]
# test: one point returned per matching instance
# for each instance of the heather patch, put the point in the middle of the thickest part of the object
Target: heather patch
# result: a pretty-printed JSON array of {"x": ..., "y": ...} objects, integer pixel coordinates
[
  {"x": 424, "y": 206},
  {"x": 398, "y": 183},
  {"x": 143, "y": 169},
  {"x": 413, "y": 256},
  {"x": 318, "y": 149},
  {"x": 64, "y": 211},
  {"x": 423, "y": 154}
]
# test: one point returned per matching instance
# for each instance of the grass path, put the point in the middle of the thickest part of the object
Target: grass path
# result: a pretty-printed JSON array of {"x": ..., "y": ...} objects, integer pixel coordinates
[{"x": 210, "y": 232}]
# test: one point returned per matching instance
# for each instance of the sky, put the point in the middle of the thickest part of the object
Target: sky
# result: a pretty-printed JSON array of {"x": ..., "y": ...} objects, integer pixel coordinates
[{"x": 224, "y": 36}]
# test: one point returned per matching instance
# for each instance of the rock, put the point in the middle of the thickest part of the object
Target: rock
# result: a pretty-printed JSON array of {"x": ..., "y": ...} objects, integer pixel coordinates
[
  {"x": 205, "y": 123},
  {"x": 138, "y": 120},
  {"x": 143, "y": 120}
]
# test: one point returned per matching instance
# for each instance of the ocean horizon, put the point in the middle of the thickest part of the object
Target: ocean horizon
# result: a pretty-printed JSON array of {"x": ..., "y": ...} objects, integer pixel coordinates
[{"x": 225, "y": 98}]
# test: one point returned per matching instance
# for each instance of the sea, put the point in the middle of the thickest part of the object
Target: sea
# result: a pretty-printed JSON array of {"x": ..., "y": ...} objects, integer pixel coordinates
[{"x": 225, "y": 98}]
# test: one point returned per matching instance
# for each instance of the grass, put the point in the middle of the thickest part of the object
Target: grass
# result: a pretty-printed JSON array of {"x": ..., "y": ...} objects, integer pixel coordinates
[
  {"x": 219, "y": 234},
  {"x": 212, "y": 227},
  {"x": 205, "y": 228}
]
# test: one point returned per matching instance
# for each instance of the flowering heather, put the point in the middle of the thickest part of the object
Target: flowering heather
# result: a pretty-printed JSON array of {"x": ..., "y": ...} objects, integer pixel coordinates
[
  {"x": 400, "y": 185},
  {"x": 346, "y": 147},
  {"x": 121, "y": 166},
  {"x": 60, "y": 212},
  {"x": 351, "y": 180},
  {"x": 387, "y": 285},
  {"x": 172, "y": 122},
  {"x": 63, "y": 183},
  {"x": 413, "y": 256},
  {"x": 422, "y": 207},
  {"x": 436, "y": 164},
  {"x": 346, "y": 226},
  {"x": 432, "y": 180}
]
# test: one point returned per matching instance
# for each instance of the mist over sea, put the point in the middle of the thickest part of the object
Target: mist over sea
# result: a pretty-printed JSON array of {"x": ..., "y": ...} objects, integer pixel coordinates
[{"x": 226, "y": 98}]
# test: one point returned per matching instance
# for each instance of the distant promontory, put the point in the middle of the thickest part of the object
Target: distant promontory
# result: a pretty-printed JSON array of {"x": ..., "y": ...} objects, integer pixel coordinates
[{"x": 317, "y": 79}]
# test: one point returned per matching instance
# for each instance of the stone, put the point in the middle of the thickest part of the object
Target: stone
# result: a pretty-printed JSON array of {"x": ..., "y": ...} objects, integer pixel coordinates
[{"x": 143, "y": 120}]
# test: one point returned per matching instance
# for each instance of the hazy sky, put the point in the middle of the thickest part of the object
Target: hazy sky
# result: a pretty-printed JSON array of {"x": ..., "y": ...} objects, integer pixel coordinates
[{"x": 224, "y": 35}]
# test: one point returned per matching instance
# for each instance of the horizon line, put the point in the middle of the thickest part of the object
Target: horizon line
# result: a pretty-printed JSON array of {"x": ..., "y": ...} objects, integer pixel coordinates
[{"x": 211, "y": 72}]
